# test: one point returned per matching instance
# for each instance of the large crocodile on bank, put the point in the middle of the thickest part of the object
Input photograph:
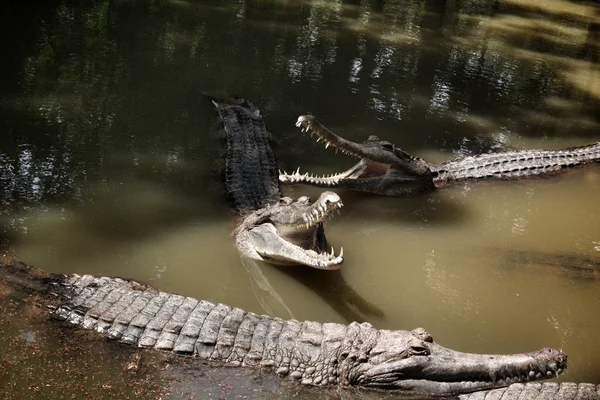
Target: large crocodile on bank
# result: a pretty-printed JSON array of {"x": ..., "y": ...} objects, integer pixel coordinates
[
  {"x": 311, "y": 353},
  {"x": 388, "y": 170},
  {"x": 273, "y": 228}
]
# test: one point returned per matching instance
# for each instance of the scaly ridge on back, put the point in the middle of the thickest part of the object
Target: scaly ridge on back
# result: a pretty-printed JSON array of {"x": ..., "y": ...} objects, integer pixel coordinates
[
  {"x": 250, "y": 165},
  {"x": 513, "y": 164},
  {"x": 311, "y": 353}
]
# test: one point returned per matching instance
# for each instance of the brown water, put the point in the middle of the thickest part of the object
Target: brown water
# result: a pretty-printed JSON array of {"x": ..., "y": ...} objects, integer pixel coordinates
[{"x": 110, "y": 156}]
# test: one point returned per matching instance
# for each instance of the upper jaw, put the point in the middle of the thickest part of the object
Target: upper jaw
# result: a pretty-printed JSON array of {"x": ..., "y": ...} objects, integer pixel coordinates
[
  {"x": 308, "y": 123},
  {"x": 304, "y": 214}
]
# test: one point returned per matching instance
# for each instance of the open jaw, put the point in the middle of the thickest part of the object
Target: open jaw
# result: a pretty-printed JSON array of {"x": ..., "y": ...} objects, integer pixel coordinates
[
  {"x": 291, "y": 232},
  {"x": 426, "y": 367},
  {"x": 383, "y": 168}
]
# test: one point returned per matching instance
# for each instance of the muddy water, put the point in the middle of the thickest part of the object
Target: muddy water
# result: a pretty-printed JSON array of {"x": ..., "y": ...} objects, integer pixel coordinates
[{"x": 110, "y": 156}]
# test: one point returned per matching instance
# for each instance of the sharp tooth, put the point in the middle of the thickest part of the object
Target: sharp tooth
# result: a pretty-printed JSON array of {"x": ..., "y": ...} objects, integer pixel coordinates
[
  {"x": 327, "y": 145},
  {"x": 332, "y": 251},
  {"x": 298, "y": 171},
  {"x": 341, "y": 252}
]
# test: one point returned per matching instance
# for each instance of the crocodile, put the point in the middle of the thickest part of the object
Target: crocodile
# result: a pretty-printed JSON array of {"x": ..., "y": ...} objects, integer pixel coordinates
[
  {"x": 389, "y": 170},
  {"x": 273, "y": 228},
  {"x": 311, "y": 353}
]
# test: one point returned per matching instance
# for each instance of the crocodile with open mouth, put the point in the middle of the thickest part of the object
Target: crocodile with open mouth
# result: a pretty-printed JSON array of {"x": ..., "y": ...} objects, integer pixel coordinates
[
  {"x": 273, "y": 228},
  {"x": 388, "y": 170}
]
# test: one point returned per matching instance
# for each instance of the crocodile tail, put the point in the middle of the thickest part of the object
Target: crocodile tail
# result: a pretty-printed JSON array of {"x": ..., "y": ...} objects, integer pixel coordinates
[{"x": 514, "y": 164}]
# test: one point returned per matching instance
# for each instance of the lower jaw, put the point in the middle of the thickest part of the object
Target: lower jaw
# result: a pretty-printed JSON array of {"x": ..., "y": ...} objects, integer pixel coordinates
[{"x": 421, "y": 386}]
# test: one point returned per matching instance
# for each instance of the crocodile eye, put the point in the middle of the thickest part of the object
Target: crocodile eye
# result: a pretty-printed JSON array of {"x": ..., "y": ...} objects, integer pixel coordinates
[
  {"x": 286, "y": 200},
  {"x": 419, "y": 351},
  {"x": 387, "y": 146}
]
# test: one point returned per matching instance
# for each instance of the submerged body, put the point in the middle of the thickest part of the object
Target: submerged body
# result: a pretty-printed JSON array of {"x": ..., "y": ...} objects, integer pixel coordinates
[
  {"x": 274, "y": 228},
  {"x": 388, "y": 170},
  {"x": 312, "y": 353}
]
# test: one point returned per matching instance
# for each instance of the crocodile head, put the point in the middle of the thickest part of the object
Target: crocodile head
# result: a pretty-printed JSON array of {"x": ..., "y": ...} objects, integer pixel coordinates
[
  {"x": 383, "y": 168},
  {"x": 291, "y": 232},
  {"x": 412, "y": 361}
]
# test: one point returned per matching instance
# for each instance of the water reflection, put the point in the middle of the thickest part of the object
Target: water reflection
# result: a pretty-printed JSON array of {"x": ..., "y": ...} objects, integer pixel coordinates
[
  {"x": 331, "y": 286},
  {"x": 110, "y": 160}
]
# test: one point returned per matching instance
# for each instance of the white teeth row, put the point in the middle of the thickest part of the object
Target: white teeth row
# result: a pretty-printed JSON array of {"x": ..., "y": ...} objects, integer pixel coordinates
[
  {"x": 532, "y": 376},
  {"x": 319, "y": 214},
  {"x": 306, "y": 128},
  {"x": 306, "y": 177},
  {"x": 325, "y": 259}
]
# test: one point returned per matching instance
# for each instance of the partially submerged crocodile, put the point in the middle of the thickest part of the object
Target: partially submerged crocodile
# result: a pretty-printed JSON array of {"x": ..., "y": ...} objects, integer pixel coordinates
[
  {"x": 312, "y": 353},
  {"x": 388, "y": 170},
  {"x": 274, "y": 228}
]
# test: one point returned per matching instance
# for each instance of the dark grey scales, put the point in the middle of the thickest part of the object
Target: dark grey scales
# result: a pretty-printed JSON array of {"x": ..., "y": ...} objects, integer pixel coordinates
[
  {"x": 388, "y": 170},
  {"x": 539, "y": 391}
]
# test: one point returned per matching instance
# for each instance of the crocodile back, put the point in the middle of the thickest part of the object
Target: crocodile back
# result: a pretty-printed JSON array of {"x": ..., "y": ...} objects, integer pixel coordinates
[
  {"x": 251, "y": 176},
  {"x": 514, "y": 164}
]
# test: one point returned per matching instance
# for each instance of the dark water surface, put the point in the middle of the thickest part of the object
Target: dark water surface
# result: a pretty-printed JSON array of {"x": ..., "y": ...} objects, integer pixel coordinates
[{"x": 110, "y": 156}]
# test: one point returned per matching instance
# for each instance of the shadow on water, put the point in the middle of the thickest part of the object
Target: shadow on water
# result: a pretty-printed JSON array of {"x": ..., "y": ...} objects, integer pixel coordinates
[
  {"x": 328, "y": 285},
  {"x": 430, "y": 208},
  {"x": 570, "y": 265}
]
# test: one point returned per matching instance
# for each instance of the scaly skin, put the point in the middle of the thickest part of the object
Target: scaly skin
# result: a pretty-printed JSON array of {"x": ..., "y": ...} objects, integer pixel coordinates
[
  {"x": 312, "y": 353},
  {"x": 539, "y": 391},
  {"x": 274, "y": 229},
  {"x": 388, "y": 170}
]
